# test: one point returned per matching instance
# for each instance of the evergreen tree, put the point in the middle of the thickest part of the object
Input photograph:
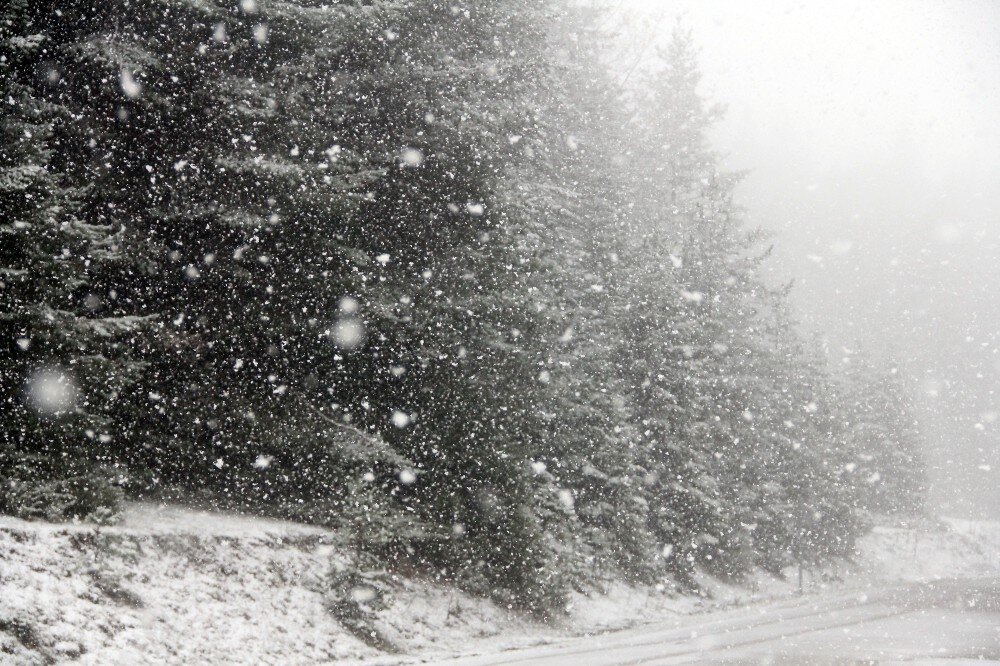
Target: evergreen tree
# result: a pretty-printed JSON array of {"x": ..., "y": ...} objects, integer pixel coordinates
[
  {"x": 62, "y": 366},
  {"x": 211, "y": 135},
  {"x": 690, "y": 279},
  {"x": 575, "y": 189},
  {"x": 888, "y": 467},
  {"x": 718, "y": 376},
  {"x": 410, "y": 272},
  {"x": 807, "y": 511},
  {"x": 457, "y": 343}
]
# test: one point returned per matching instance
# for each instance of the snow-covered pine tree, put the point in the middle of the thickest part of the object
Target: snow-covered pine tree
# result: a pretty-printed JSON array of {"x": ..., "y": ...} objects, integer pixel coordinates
[
  {"x": 62, "y": 365},
  {"x": 455, "y": 332},
  {"x": 792, "y": 478},
  {"x": 410, "y": 276},
  {"x": 574, "y": 195},
  {"x": 881, "y": 428},
  {"x": 211, "y": 133},
  {"x": 715, "y": 366},
  {"x": 688, "y": 280}
]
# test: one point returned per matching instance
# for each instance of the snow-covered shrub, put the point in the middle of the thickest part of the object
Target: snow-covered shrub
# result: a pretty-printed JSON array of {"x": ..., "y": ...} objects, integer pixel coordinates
[
  {"x": 84, "y": 497},
  {"x": 356, "y": 596}
]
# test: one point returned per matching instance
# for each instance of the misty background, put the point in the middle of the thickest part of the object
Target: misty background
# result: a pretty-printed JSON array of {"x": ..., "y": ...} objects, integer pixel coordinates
[
  {"x": 870, "y": 137},
  {"x": 428, "y": 307}
]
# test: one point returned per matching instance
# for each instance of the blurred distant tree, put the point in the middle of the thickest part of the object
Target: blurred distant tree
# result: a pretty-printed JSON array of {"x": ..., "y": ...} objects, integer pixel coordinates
[
  {"x": 726, "y": 390},
  {"x": 690, "y": 285},
  {"x": 882, "y": 430}
]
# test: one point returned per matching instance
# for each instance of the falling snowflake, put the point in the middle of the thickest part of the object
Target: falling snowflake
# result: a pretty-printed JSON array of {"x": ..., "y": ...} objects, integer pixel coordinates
[
  {"x": 411, "y": 157},
  {"x": 348, "y": 333},
  {"x": 130, "y": 86},
  {"x": 51, "y": 391},
  {"x": 400, "y": 419}
]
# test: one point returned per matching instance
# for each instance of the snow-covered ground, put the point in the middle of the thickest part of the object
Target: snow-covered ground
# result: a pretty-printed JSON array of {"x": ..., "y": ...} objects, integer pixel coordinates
[
  {"x": 894, "y": 623},
  {"x": 172, "y": 585}
]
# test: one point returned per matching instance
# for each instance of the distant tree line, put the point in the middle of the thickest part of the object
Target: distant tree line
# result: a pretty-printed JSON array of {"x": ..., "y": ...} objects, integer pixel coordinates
[{"x": 421, "y": 270}]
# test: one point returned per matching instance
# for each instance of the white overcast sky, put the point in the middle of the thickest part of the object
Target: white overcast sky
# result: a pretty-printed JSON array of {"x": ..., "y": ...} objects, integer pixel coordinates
[{"x": 871, "y": 129}]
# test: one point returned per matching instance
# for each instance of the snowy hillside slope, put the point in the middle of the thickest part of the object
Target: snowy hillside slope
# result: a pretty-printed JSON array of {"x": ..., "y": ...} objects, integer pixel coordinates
[{"x": 172, "y": 586}]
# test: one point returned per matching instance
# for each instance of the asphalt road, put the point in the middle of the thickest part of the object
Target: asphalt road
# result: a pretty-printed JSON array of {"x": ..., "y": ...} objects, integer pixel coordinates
[{"x": 945, "y": 622}]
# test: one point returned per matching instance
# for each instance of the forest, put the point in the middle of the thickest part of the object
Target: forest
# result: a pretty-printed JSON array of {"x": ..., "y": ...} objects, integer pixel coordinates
[{"x": 427, "y": 272}]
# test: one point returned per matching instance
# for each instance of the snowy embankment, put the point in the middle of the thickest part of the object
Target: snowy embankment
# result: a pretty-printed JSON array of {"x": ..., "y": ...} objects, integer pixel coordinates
[{"x": 173, "y": 585}]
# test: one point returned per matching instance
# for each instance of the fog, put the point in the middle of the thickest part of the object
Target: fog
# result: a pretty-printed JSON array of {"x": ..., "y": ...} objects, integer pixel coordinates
[
  {"x": 499, "y": 331},
  {"x": 870, "y": 138}
]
